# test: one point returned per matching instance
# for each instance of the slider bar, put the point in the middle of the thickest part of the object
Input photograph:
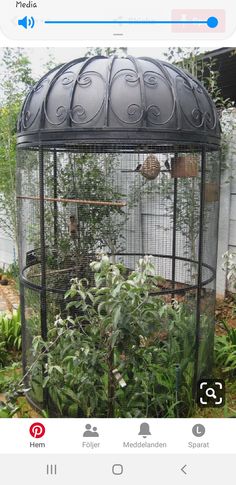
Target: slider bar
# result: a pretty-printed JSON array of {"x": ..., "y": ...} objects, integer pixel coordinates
[{"x": 211, "y": 22}]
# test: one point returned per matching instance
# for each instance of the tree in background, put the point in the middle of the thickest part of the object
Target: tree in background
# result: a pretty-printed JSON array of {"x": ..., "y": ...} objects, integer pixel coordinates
[
  {"x": 194, "y": 61},
  {"x": 202, "y": 66},
  {"x": 15, "y": 81}
]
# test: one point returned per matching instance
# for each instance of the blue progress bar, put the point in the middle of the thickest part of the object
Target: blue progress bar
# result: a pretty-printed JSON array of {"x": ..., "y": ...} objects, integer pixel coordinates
[{"x": 211, "y": 22}]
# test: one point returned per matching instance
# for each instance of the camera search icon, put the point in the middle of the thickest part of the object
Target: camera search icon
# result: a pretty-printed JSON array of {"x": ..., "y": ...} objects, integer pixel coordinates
[{"x": 211, "y": 393}]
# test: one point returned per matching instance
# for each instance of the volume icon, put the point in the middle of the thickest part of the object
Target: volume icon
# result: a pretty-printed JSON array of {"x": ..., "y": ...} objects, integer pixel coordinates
[{"x": 27, "y": 22}]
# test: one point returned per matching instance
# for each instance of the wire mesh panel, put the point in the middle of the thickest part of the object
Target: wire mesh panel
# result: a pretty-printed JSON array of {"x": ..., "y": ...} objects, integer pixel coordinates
[
  {"x": 96, "y": 203},
  {"x": 138, "y": 176},
  {"x": 126, "y": 205}
]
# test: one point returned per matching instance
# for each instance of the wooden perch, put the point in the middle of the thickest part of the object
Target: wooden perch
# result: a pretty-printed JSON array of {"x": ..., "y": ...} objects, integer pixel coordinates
[
  {"x": 55, "y": 271},
  {"x": 75, "y": 201}
]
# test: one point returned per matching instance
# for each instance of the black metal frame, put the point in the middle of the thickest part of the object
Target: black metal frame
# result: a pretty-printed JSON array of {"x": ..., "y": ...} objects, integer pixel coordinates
[
  {"x": 43, "y": 288},
  {"x": 28, "y": 284}
]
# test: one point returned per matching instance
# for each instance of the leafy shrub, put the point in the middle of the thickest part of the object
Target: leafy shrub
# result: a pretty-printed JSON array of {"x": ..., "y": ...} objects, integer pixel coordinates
[
  {"x": 10, "y": 330},
  {"x": 7, "y": 410},
  {"x": 225, "y": 350},
  {"x": 10, "y": 336},
  {"x": 121, "y": 351},
  {"x": 3, "y": 353}
]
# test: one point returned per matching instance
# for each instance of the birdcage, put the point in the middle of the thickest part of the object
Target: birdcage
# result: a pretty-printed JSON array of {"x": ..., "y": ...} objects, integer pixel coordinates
[{"x": 114, "y": 157}]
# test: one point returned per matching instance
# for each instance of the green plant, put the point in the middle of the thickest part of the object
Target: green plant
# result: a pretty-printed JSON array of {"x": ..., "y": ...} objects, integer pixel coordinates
[
  {"x": 225, "y": 350},
  {"x": 3, "y": 353},
  {"x": 121, "y": 351},
  {"x": 10, "y": 336},
  {"x": 9, "y": 384},
  {"x": 15, "y": 80},
  {"x": 202, "y": 67},
  {"x": 10, "y": 330},
  {"x": 7, "y": 410},
  {"x": 9, "y": 375},
  {"x": 229, "y": 412},
  {"x": 13, "y": 270}
]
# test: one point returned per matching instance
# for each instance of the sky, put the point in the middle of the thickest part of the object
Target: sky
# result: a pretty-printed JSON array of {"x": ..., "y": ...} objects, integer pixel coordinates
[{"x": 39, "y": 56}]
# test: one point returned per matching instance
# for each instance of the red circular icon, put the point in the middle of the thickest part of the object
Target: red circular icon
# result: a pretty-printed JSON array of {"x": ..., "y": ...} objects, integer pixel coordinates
[{"x": 37, "y": 430}]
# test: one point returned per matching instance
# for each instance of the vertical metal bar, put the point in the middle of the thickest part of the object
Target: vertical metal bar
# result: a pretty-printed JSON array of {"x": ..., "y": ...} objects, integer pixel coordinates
[
  {"x": 177, "y": 370},
  {"x": 140, "y": 215},
  {"x": 43, "y": 297},
  {"x": 200, "y": 261},
  {"x": 216, "y": 214},
  {"x": 174, "y": 233},
  {"x": 42, "y": 246},
  {"x": 20, "y": 238},
  {"x": 20, "y": 205},
  {"x": 23, "y": 331},
  {"x": 55, "y": 193}
]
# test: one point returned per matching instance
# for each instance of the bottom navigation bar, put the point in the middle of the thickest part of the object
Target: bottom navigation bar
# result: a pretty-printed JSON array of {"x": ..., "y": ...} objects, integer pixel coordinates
[
  {"x": 121, "y": 436},
  {"x": 111, "y": 469}
]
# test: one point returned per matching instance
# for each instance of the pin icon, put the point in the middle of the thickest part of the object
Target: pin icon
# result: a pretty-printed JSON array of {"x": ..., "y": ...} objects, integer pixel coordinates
[{"x": 37, "y": 430}]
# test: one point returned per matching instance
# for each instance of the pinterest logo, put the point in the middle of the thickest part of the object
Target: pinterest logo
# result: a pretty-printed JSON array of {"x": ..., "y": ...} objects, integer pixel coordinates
[{"x": 37, "y": 430}]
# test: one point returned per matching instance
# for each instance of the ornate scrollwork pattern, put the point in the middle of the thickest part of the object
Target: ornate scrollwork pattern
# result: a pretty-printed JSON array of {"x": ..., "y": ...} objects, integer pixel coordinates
[
  {"x": 120, "y": 93},
  {"x": 134, "y": 111},
  {"x": 78, "y": 113},
  {"x": 195, "y": 105},
  {"x": 150, "y": 78},
  {"x": 68, "y": 78}
]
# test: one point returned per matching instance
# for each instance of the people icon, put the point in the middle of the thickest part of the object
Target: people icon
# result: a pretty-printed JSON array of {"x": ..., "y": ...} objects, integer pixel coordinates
[{"x": 90, "y": 432}]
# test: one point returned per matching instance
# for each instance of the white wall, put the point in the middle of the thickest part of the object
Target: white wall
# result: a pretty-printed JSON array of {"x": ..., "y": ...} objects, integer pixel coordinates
[
  {"x": 227, "y": 221},
  {"x": 7, "y": 249}
]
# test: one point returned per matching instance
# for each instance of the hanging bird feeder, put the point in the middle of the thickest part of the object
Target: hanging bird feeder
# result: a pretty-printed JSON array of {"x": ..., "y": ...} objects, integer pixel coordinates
[
  {"x": 184, "y": 166},
  {"x": 150, "y": 169}
]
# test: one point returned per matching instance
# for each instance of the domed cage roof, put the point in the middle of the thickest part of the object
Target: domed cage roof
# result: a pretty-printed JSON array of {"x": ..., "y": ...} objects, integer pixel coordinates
[{"x": 139, "y": 102}]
